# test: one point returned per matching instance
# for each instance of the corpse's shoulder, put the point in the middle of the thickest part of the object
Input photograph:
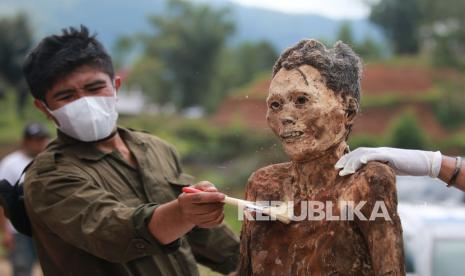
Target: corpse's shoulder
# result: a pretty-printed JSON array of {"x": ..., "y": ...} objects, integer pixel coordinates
[
  {"x": 267, "y": 176},
  {"x": 375, "y": 171},
  {"x": 376, "y": 179}
]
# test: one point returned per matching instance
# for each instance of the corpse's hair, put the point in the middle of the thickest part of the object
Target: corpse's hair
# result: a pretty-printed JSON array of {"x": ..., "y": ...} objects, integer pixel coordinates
[
  {"x": 340, "y": 67},
  {"x": 59, "y": 55}
]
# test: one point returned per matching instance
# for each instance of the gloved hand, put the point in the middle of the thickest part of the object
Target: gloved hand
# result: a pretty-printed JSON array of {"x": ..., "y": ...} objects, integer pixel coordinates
[{"x": 404, "y": 162}]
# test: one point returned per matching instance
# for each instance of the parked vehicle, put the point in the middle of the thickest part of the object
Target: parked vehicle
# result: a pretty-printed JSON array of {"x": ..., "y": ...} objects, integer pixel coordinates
[{"x": 434, "y": 239}]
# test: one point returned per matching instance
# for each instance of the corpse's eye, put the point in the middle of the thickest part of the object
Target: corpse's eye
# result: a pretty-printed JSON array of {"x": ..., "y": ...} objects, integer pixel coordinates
[
  {"x": 275, "y": 105},
  {"x": 301, "y": 100}
]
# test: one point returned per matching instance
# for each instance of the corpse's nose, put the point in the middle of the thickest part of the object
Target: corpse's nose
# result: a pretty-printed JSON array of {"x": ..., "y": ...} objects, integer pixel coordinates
[{"x": 287, "y": 120}]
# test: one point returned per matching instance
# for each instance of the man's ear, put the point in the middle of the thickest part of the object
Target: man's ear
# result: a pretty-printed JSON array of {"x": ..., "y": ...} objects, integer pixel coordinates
[
  {"x": 41, "y": 106},
  {"x": 117, "y": 83}
]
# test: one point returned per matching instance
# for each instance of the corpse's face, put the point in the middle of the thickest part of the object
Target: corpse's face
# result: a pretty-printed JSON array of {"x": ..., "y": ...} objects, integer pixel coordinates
[{"x": 307, "y": 116}]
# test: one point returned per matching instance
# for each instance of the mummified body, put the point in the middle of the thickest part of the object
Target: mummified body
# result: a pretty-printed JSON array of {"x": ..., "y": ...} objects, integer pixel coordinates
[{"x": 313, "y": 100}]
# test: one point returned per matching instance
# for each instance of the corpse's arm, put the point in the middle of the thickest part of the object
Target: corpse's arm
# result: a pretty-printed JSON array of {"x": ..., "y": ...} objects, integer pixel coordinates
[
  {"x": 245, "y": 267},
  {"x": 382, "y": 230}
]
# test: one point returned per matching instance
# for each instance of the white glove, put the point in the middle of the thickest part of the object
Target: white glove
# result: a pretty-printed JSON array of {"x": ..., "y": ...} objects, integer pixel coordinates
[{"x": 404, "y": 162}]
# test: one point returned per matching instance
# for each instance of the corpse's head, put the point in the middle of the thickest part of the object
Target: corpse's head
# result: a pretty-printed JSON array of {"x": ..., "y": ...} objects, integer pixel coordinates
[
  {"x": 63, "y": 68},
  {"x": 314, "y": 98}
]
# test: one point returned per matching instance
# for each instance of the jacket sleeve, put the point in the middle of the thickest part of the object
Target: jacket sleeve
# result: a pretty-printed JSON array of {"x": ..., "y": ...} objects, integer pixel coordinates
[
  {"x": 217, "y": 247},
  {"x": 72, "y": 206}
]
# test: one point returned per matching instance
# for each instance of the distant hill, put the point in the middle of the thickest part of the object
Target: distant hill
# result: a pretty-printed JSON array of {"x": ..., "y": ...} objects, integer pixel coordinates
[
  {"x": 113, "y": 18},
  {"x": 284, "y": 30}
]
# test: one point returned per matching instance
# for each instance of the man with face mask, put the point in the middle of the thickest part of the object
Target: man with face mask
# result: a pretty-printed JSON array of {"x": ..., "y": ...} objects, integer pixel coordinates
[
  {"x": 105, "y": 200},
  {"x": 20, "y": 248}
]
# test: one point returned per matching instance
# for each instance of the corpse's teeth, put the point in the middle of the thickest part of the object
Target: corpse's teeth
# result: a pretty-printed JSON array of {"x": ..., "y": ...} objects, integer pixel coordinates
[{"x": 292, "y": 134}]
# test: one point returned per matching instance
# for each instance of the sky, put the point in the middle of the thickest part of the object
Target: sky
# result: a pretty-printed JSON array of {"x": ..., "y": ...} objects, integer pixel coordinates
[{"x": 337, "y": 9}]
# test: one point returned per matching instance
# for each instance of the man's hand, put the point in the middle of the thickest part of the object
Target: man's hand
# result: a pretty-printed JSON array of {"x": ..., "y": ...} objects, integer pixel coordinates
[
  {"x": 174, "y": 219},
  {"x": 204, "y": 209},
  {"x": 404, "y": 162}
]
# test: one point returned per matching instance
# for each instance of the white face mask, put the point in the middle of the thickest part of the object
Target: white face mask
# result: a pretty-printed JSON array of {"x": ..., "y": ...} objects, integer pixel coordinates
[{"x": 87, "y": 119}]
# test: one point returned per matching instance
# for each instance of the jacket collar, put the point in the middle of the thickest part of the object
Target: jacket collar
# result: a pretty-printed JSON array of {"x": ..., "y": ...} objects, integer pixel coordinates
[{"x": 88, "y": 150}]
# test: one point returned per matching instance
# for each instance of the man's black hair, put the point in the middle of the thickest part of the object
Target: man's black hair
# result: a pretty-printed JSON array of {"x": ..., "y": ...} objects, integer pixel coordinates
[{"x": 57, "y": 56}]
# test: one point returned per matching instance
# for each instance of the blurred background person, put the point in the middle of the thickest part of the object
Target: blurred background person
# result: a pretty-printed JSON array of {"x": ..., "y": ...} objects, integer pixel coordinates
[{"x": 21, "y": 252}]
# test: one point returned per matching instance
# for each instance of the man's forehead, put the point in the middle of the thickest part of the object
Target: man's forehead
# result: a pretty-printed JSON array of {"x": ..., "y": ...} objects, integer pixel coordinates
[
  {"x": 85, "y": 73},
  {"x": 81, "y": 76}
]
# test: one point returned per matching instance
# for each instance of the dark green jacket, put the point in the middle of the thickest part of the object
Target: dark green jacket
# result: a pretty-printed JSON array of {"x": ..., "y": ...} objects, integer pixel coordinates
[{"x": 89, "y": 212}]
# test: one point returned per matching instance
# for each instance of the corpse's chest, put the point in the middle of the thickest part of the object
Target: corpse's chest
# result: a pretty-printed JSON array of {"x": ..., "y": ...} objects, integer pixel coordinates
[
  {"x": 320, "y": 240},
  {"x": 318, "y": 247}
]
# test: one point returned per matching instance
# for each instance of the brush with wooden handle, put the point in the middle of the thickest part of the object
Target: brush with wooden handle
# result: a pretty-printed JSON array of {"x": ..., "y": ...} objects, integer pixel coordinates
[{"x": 274, "y": 212}]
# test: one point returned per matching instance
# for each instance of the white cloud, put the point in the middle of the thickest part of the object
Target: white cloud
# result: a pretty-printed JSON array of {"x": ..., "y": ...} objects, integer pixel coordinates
[{"x": 330, "y": 8}]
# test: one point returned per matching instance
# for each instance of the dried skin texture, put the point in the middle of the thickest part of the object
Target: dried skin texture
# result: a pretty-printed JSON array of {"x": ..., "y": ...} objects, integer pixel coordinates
[
  {"x": 323, "y": 247},
  {"x": 318, "y": 125},
  {"x": 300, "y": 103},
  {"x": 340, "y": 66}
]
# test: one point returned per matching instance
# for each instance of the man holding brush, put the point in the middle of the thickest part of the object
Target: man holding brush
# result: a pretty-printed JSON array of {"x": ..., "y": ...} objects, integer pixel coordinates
[{"x": 105, "y": 200}]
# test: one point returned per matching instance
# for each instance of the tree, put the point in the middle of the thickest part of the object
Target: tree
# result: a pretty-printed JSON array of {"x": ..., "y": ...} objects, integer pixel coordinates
[
  {"x": 253, "y": 58},
  {"x": 406, "y": 133},
  {"x": 122, "y": 48},
  {"x": 148, "y": 74},
  {"x": 188, "y": 38},
  {"x": 444, "y": 25},
  {"x": 241, "y": 64},
  {"x": 439, "y": 26},
  {"x": 367, "y": 49},
  {"x": 449, "y": 109},
  {"x": 15, "y": 41},
  {"x": 345, "y": 34},
  {"x": 400, "y": 20}
]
